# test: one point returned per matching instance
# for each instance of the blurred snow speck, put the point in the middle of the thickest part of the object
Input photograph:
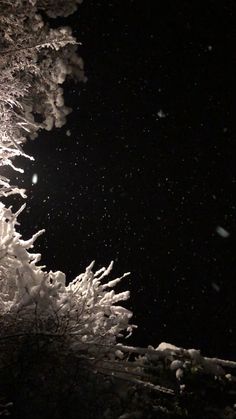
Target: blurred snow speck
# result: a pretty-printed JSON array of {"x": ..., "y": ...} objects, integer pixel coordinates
[
  {"x": 215, "y": 287},
  {"x": 34, "y": 178},
  {"x": 222, "y": 232},
  {"x": 161, "y": 114},
  {"x": 68, "y": 133}
]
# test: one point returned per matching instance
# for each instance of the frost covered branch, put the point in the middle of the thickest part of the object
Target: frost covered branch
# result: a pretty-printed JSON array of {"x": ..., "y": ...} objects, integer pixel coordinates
[
  {"x": 85, "y": 311},
  {"x": 35, "y": 60}
]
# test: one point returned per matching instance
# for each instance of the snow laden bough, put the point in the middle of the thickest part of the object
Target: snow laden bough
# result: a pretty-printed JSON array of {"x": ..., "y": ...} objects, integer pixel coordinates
[
  {"x": 83, "y": 320},
  {"x": 38, "y": 302}
]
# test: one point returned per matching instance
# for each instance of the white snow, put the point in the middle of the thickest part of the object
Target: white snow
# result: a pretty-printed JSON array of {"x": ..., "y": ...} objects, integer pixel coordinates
[
  {"x": 222, "y": 232},
  {"x": 34, "y": 178}
]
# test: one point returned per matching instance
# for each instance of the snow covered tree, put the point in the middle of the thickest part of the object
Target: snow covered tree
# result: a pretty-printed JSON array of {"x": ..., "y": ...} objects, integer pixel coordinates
[
  {"x": 60, "y": 348},
  {"x": 34, "y": 62}
]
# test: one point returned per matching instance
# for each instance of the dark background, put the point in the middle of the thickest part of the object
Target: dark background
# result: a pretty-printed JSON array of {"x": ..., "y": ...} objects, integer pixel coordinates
[{"x": 148, "y": 172}]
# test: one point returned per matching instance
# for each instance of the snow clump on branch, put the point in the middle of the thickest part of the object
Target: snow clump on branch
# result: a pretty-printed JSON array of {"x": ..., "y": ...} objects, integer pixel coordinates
[
  {"x": 35, "y": 60},
  {"x": 33, "y": 300}
]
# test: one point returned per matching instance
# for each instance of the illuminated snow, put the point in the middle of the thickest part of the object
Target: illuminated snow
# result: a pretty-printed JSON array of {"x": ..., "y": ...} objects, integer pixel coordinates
[
  {"x": 34, "y": 178},
  {"x": 161, "y": 114},
  {"x": 222, "y": 232}
]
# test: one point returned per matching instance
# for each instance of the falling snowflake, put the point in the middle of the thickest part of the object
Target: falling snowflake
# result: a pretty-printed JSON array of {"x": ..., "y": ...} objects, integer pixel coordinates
[
  {"x": 222, "y": 232},
  {"x": 161, "y": 114},
  {"x": 34, "y": 178}
]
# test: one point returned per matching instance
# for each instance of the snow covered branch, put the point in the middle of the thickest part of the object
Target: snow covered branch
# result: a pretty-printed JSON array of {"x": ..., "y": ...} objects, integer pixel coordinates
[
  {"x": 35, "y": 60},
  {"x": 86, "y": 310}
]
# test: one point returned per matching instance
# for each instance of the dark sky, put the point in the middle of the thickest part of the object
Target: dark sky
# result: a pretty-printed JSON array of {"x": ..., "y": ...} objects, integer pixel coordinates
[{"x": 147, "y": 177}]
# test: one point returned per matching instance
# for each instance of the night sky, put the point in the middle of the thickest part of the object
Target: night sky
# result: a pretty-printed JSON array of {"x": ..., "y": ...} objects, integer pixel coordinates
[{"x": 147, "y": 175}]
